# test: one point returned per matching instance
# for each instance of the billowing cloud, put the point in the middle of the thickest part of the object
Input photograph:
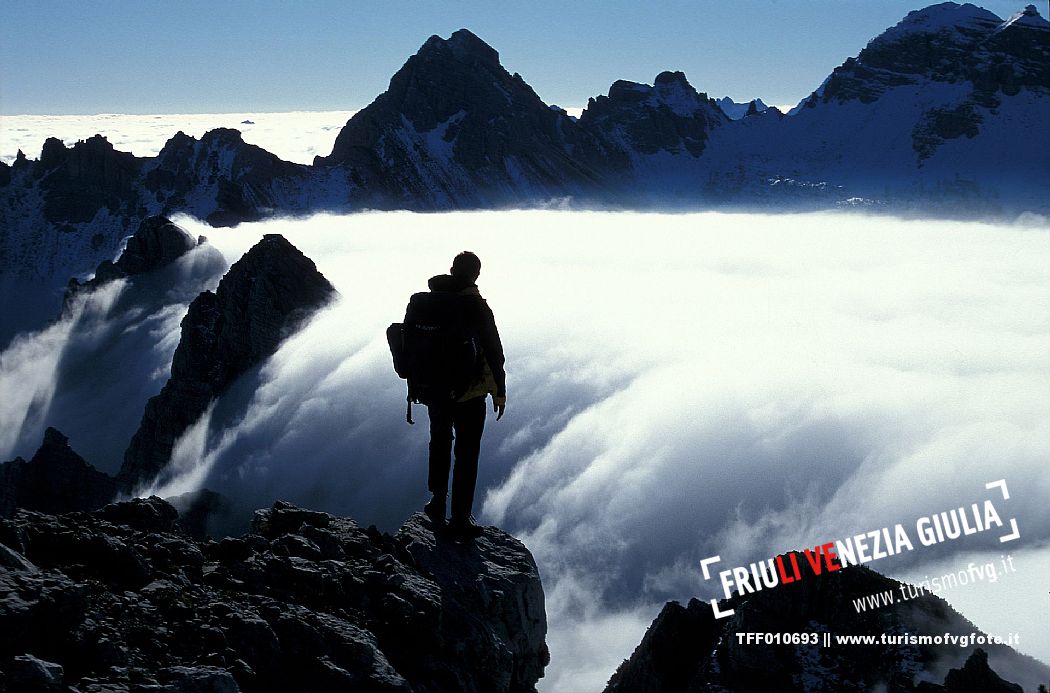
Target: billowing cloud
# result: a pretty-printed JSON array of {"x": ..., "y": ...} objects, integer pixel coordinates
[
  {"x": 680, "y": 385},
  {"x": 90, "y": 373}
]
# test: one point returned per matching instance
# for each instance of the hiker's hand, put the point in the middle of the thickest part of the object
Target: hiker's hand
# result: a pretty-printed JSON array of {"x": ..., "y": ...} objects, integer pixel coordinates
[{"x": 499, "y": 405}]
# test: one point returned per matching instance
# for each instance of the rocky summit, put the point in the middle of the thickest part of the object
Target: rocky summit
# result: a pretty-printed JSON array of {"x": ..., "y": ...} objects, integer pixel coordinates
[
  {"x": 155, "y": 244},
  {"x": 669, "y": 116},
  {"x": 223, "y": 179},
  {"x": 263, "y": 298},
  {"x": 120, "y": 599},
  {"x": 55, "y": 480},
  {"x": 456, "y": 129}
]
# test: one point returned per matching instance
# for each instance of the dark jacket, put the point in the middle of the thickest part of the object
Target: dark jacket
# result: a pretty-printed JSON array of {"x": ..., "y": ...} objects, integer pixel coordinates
[{"x": 493, "y": 377}]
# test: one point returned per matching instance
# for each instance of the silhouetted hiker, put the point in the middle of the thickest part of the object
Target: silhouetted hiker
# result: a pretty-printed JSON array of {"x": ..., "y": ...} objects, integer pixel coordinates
[{"x": 449, "y": 350}]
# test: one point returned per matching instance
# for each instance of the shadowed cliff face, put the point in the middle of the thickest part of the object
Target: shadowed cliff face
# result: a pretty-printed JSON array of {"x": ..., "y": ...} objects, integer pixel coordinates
[
  {"x": 55, "y": 480},
  {"x": 687, "y": 649},
  {"x": 156, "y": 244},
  {"x": 669, "y": 116},
  {"x": 265, "y": 296},
  {"x": 305, "y": 602},
  {"x": 86, "y": 178},
  {"x": 456, "y": 129},
  {"x": 91, "y": 371},
  {"x": 228, "y": 180}
]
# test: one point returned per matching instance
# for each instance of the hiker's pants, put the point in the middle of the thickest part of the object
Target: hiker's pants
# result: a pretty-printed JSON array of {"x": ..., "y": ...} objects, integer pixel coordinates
[{"x": 463, "y": 422}]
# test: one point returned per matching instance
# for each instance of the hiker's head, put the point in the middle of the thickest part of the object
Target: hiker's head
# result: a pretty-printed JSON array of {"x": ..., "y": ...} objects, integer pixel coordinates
[{"x": 466, "y": 267}]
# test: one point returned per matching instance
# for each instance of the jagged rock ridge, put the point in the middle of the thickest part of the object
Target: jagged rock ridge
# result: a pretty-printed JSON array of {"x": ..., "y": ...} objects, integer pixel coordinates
[
  {"x": 959, "y": 45},
  {"x": 120, "y": 600},
  {"x": 264, "y": 296},
  {"x": 107, "y": 358},
  {"x": 66, "y": 212},
  {"x": 55, "y": 480},
  {"x": 155, "y": 244},
  {"x": 455, "y": 129},
  {"x": 668, "y": 116},
  {"x": 82, "y": 180},
  {"x": 736, "y": 111},
  {"x": 222, "y": 179}
]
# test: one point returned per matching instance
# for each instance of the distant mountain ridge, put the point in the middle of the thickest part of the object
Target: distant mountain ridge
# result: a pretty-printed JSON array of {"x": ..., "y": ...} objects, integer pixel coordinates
[
  {"x": 736, "y": 111},
  {"x": 941, "y": 114}
]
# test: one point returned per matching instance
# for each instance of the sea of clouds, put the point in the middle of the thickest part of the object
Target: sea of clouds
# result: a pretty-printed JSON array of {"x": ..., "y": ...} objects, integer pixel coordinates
[
  {"x": 679, "y": 386},
  {"x": 293, "y": 136}
]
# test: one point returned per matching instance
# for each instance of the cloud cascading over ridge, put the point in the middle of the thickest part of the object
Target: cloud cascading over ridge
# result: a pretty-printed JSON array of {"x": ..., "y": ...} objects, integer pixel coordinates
[
  {"x": 679, "y": 385},
  {"x": 91, "y": 372}
]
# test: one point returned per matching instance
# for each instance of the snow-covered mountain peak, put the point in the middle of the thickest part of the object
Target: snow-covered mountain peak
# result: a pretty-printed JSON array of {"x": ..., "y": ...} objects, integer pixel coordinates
[
  {"x": 668, "y": 116},
  {"x": 953, "y": 46},
  {"x": 674, "y": 90},
  {"x": 1028, "y": 18},
  {"x": 947, "y": 17},
  {"x": 669, "y": 90}
]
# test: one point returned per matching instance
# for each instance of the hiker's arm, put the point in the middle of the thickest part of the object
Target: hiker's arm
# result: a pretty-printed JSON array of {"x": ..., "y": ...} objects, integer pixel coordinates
[{"x": 493, "y": 347}]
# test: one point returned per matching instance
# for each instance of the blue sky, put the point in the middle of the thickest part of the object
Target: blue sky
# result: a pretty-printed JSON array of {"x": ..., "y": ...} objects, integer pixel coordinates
[{"x": 144, "y": 56}]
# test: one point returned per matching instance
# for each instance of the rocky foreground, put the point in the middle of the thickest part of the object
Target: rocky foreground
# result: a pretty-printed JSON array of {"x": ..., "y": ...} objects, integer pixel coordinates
[{"x": 121, "y": 599}]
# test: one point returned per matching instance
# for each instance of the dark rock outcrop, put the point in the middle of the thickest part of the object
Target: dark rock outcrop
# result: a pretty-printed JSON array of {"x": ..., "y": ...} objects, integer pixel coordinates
[
  {"x": 263, "y": 298},
  {"x": 82, "y": 180},
  {"x": 120, "y": 600},
  {"x": 669, "y": 116},
  {"x": 55, "y": 480},
  {"x": 198, "y": 510},
  {"x": 687, "y": 649},
  {"x": 940, "y": 124},
  {"x": 234, "y": 181},
  {"x": 493, "y": 593},
  {"x": 155, "y": 244},
  {"x": 974, "y": 677},
  {"x": 69, "y": 210}
]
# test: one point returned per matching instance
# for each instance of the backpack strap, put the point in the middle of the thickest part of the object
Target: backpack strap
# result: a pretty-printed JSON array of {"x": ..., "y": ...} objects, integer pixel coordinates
[{"x": 408, "y": 410}]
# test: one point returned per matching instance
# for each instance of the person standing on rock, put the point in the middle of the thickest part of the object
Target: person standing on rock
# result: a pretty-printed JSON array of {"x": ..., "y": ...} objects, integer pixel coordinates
[{"x": 453, "y": 360}]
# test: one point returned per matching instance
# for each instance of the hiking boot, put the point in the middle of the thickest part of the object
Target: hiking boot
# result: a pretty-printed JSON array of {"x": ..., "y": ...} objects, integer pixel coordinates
[
  {"x": 435, "y": 510},
  {"x": 464, "y": 528}
]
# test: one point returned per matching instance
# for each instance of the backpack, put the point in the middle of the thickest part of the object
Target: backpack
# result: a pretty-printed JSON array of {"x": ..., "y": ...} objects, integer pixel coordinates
[{"x": 435, "y": 348}]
